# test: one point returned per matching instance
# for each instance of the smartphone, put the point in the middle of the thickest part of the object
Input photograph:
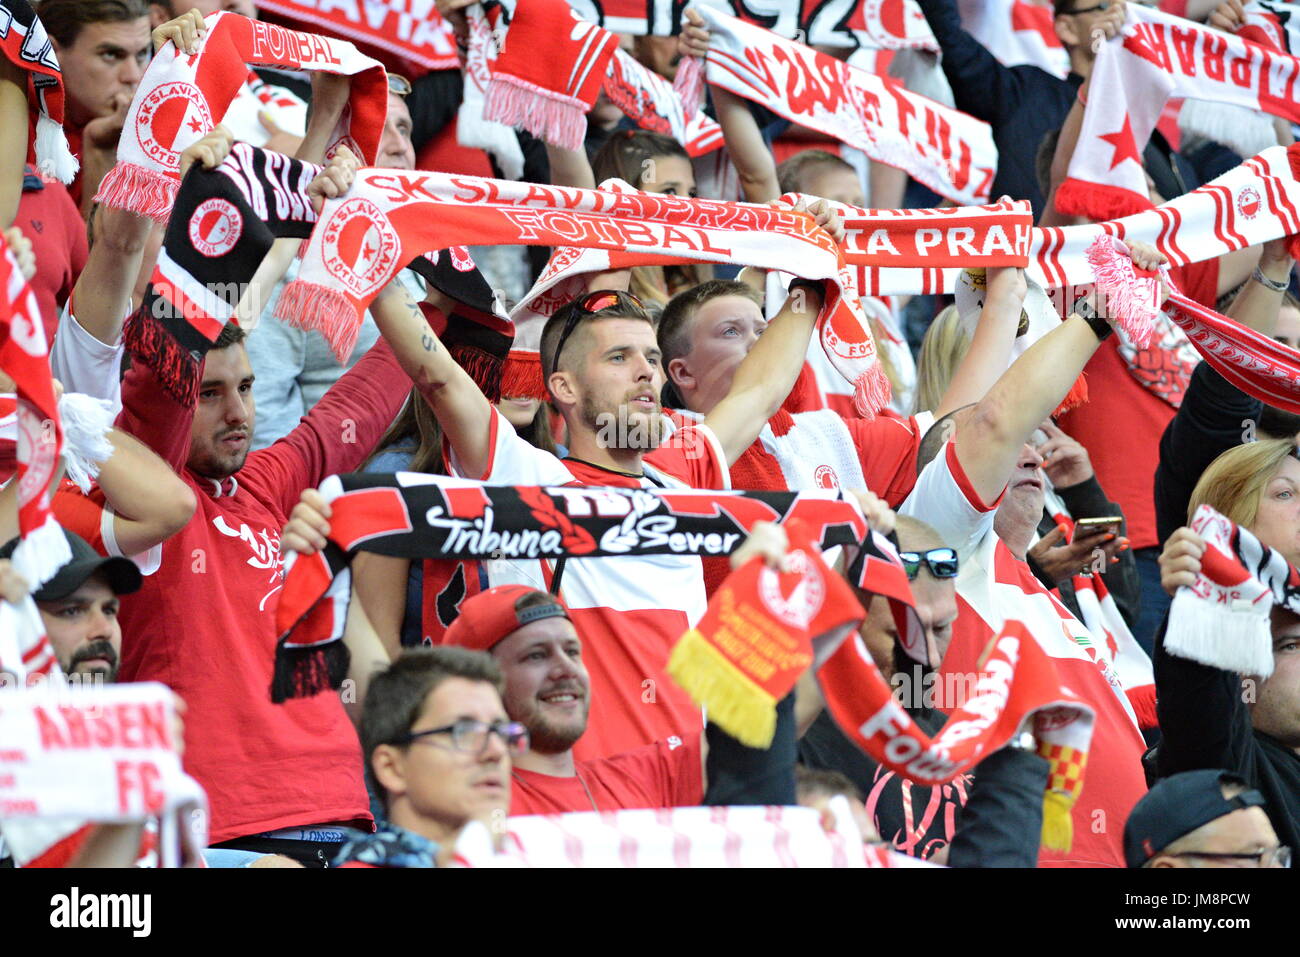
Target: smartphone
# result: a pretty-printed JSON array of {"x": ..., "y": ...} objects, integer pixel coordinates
[{"x": 1102, "y": 523}]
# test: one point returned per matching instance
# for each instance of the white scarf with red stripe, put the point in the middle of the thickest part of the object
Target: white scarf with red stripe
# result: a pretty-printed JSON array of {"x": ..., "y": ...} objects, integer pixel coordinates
[
  {"x": 99, "y": 753},
  {"x": 390, "y": 217},
  {"x": 181, "y": 98},
  {"x": 948, "y": 151},
  {"x": 1222, "y": 619},
  {"x": 1158, "y": 56},
  {"x": 713, "y": 837},
  {"x": 24, "y": 356}
]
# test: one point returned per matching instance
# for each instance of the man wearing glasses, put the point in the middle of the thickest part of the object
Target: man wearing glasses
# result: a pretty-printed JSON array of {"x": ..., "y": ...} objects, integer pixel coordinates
[
  {"x": 532, "y": 639},
  {"x": 438, "y": 748},
  {"x": 1207, "y": 818}
]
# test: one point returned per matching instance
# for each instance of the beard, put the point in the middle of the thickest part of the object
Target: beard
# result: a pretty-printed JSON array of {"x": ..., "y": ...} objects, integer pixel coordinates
[
  {"x": 621, "y": 427},
  {"x": 100, "y": 648},
  {"x": 547, "y": 736}
]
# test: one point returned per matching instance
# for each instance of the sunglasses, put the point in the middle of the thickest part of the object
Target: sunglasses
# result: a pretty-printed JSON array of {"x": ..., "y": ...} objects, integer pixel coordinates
[
  {"x": 942, "y": 562},
  {"x": 588, "y": 306},
  {"x": 1074, "y": 13},
  {"x": 399, "y": 85}
]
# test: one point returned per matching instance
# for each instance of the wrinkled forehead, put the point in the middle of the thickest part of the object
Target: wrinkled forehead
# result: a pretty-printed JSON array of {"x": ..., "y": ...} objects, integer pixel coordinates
[{"x": 728, "y": 309}]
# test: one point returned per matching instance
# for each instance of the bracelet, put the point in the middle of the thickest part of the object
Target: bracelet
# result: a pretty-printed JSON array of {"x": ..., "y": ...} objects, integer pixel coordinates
[
  {"x": 1086, "y": 311},
  {"x": 1259, "y": 277}
]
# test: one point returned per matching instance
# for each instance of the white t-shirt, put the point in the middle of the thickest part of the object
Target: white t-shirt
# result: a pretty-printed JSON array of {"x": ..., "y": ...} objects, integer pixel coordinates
[{"x": 84, "y": 364}]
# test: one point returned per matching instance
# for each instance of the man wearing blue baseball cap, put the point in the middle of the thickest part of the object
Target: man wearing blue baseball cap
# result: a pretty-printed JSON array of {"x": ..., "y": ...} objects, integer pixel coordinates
[{"x": 1206, "y": 818}]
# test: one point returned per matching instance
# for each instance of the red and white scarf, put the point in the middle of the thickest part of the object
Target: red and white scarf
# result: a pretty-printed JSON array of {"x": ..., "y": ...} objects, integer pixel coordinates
[
  {"x": 1250, "y": 204},
  {"x": 1272, "y": 24},
  {"x": 24, "y": 356},
  {"x": 548, "y": 72},
  {"x": 103, "y": 754},
  {"x": 1016, "y": 32},
  {"x": 25, "y": 650},
  {"x": 1158, "y": 56},
  {"x": 1253, "y": 362},
  {"x": 27, "y": 46},
  {"x": 414, "y": 31},
  {"x": 763, "y": 628},
  {"x": 390, "y": 217},
  {"x": 949, "y": 151},
  {"x": 1222, "y": 620},
  {"x": 712, "y": 837},
  {"x": 181, "y": 99}
]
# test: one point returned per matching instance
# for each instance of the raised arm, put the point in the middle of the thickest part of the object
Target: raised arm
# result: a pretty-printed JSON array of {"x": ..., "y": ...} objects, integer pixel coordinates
[
  {"x": 768, "y": 373},
  {"x": 990, "y": 346},
  {"x": 456, "y": 400},
  {"x": 991, "y": 437},
  {"x": 102, "y": 296},
  {"x": 749, "y": 153}
]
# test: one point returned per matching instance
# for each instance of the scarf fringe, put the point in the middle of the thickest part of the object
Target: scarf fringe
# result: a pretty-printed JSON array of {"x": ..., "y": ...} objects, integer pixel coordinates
[
  {"x": 1097, "y": 201},
  {"x": 496, "y": 139},
  {"x": 871, "y": 392},
  {"x": 41, "y": 553},
  {"x": 1231, "y": 639},
  {"x": 688, "y": 84},
  {"x": 521, "y": 376},
  {"x": 1076, "y": 397},
  {"x": 139, "y": 190},
  {"x": 734, "y": 703},
  {"x": 558, "y": 119},
  {"x": 309, "y": 306},
  {"x": 53, "y": 158},
  {"x": 483, "y": 367},
  {"x": 86, "y": 424},
  {"x": 1125, "y": 302},
  {"x": 1058, "y": 826},
  {"x": 304, "y": 672},
  {"x": 177, "y": 369}
]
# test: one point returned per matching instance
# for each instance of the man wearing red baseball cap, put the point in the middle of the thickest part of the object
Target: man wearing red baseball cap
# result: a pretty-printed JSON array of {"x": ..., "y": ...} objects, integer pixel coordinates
[{"x": 532, "y": 639}]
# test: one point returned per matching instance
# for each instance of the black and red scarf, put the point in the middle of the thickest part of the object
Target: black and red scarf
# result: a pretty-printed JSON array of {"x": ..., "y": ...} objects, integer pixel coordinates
[{"x": 417, "y": 516}]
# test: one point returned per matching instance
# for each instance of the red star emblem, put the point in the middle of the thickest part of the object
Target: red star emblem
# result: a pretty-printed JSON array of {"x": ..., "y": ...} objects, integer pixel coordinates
[
  {"x": 196, "y": 125},
  {"x": 367, "y": 250},
  {"x": 1124, "y": 145}
]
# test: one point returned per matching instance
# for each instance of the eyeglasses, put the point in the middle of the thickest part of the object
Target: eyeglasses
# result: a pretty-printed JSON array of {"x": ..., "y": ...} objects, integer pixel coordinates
[
  {"x": 942, "y": 562},
  {"x": 588, "y": 306},
  {"x": 1279, "y": 856},
  {"x": 471, "y": 736},
  {"x": 399, "y": 85}
]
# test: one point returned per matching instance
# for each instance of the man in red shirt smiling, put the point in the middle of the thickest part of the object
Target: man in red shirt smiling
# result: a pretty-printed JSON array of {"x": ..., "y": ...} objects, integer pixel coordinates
[{"x": 533, "y": 641}]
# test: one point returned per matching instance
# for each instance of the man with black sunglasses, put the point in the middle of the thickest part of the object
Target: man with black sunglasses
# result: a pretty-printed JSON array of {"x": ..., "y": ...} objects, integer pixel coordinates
[{"x": 438, "y": 748}]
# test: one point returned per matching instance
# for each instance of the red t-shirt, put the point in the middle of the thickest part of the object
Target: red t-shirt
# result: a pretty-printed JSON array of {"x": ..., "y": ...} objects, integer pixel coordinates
[
  {"x": 666, "y": 774},
  {"x": 49, "y": 218},
  {"x": 204, "y": 623},
  {"x": 1121, "y": 423},
  {"x": 631, "y": 610}
]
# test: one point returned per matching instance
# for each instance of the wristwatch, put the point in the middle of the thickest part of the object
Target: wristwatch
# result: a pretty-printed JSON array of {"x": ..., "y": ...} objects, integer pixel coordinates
[
  {"x": 1084, "y": 310},
  {"x": 816, "y": 285}
]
